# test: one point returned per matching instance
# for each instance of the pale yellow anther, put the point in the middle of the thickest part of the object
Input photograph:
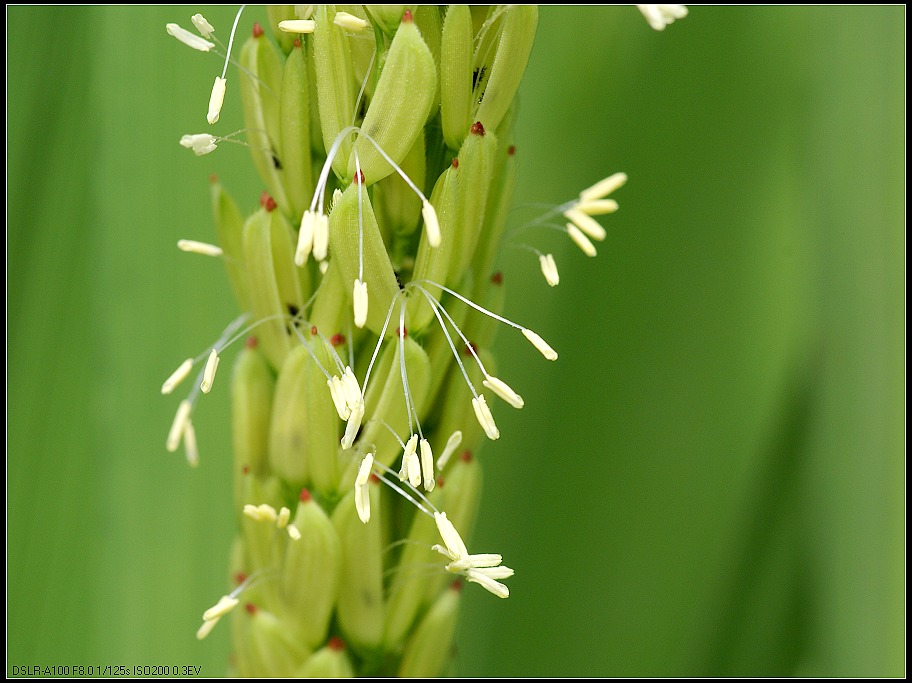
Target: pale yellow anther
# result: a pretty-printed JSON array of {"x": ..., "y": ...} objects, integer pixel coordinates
[
  {"x": 455, "y": 546},
  {"x": 189, "y": 39},
  {"x": 503, "y": 390},
  {"x": 293, "y": 532},
  {"x": 364, "y": 470},
  {"x": 350, "y": 22},
  {"x": 305, "y": 238},
  {"x": 603, "y": 187},
  {"x": 216, "y": 99},
  {"x": 359, "y": 299},
  {"x": 351, "y": 388},
  {"x": 321, "y": 237},
  {"x": 178, "y": 427},
  {"x": 485, "y": 419},
  {"x": 353, "y": 425},
  {"x": 177, "y": 376},
  {"x": 297, "y": 25},
  {"x": 194, "y": 247},
  {"x": 253, "y": 512},
  {"x": 451, "y": 445},
  {"x": 283, "y": 517},
  {"x": 200, "y": 143},
  {"x": 597, "y": 207},
  {"x": 225, "y": 604},
  {"x": 540, "y": 344},
  {"x": 427, "y": 466},
  {"x": 337, "y": 391},
  {"x": 267, "y": 513},
  {"x": 209, "y": 372},
  {"x": 204, "y": 27},
  {"x": 206, "y": 628},
  {"x": 581, "y": 240},
  {"x": 362, "y": 503},
  {"x": 549, "y": 269},
  {"x": 190, "y": 447},
  {"x": 414, "y": 470},
  {"x": 487, "y": 582},
  {"x": 431, "y": 224},
  {"x": 587, "y": 224}
]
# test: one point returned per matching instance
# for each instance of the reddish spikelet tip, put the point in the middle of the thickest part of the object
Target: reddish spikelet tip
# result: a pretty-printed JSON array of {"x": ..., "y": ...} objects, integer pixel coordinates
[
  {"x": 407, "y": 17},
  {"x": 251, "y": 342},
  {"x": 466, "y": 456},
  {"x": 240, "y": 578},
  {"x": 251, "y": 608},
  {"x": 336, "y": 643},
  {"x": 477, "y": 129},
  {"x": 257, "y": 29},
  {"x": 305, "y": 496},
  {"x": 297, "y": 42},
  {"x": 455, "y": 162},
  {"x": 313, "y": 330},
  {"x": 497, "y": 278},
  {"x": 337, "y": 339},
  {"x": 511, "y": 150}
]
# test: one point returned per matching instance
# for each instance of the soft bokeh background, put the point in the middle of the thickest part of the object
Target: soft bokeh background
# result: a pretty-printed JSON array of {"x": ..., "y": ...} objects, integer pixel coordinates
[{"x": 711, "y": 479}]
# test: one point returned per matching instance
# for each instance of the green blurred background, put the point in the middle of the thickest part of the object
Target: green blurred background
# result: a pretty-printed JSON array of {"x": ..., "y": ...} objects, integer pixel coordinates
[{"x": 711, "y": 479}]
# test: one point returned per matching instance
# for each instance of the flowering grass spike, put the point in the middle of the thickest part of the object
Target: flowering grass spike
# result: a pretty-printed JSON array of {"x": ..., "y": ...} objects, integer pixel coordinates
[{"x": 384, "y": 138}]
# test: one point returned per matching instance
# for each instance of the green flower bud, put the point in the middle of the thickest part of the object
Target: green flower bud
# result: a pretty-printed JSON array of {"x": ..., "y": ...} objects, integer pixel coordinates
[
  {"x": 304, "y": 433},
  {"x": 359, "y": 252},
  {"x": 252, "y": 386},
  {"x": 456, "y": 75},
  {"x": 295, "y": 129},
  {"x": 275, "y": 286},
  {"x": 400, "y": 107},
  {"x": 272, "y": 649},
  {"x": 331, "y": 661},
  {"x": 261, "y": 90},
  {"x": 359, "y": 609},
  {"x": 499, "y": 77},
  {"x": 426, "y": 653},
  {"x": 229, "y": 226},
  {"x": 310, "y": 575},
  {"x": 336, "y": 85},
  {"x": 476, "y": 161}
]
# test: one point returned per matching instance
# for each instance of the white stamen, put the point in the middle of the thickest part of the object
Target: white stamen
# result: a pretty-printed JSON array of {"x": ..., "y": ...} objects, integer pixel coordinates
[
  {"x": 305, "y": 237},
  {"x": 540, "y": 344},
  {"x": 414, "y": 470},
  {"x": 293, "y": 532},
  {"x": 181, "y": 420},
  {"x": 431, "y": 224},
  {"x": 321, "y": 237},
  {"x": 451, "y": 445},
  {"x": 485, "y": 419},
  {"x": 603, "y": 187},
  {"x": 337, "y": 391},
  {"x": 216, "y": 99},
  {"x": 660, "y": 16},
  {"x": 297, "y": 25},
  {"x": 350, "y": 22},
  {"x": 189, "y": 39},
  {"x": 474, "y": 562},
  {"x": 177, "y": 376},
  {"x": 364, "y": 470},
  {"x": 204, "y": 27},
  {"x": 253, "y": 512},
  {"x": 225, "y": 604},
  {"x": 549, "y": 269},
  {"x": 499, "y": 387},
  {"x": 206, "y": 628},
  {"x": 267, "y": 513},
  {"x": 284, "y": 516},
  {"x": 352, "y": 389},
  {"x": 597, "y": 207},
  {"x": 194, "y": 247},
  {"x": 362, "y": 503},
  {"x": 209, "y": 372},
  {"x": 427, "y": 466},
  {"x": 190, "y": 448},
  {"x": 455, "y": 546},
  {"x": 587, "y": 224},
  {"x": 200, "y": 143},
  {"x": 581, "y": 240},
  {"x": 486, "y": 582},
  {"x": 324, "y": 266},
  {"x": 359, "y": 298},
  {"x": 354, "y": 424},
  {"x": 408, "y": 453}
]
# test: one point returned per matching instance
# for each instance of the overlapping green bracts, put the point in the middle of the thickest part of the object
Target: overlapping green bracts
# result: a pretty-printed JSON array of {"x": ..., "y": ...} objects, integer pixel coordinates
[{"x": 388, "y": 92}]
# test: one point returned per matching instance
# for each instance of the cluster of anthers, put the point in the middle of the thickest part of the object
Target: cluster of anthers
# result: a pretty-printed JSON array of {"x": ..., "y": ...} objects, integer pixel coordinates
[{"x": 417, "y": 469}]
